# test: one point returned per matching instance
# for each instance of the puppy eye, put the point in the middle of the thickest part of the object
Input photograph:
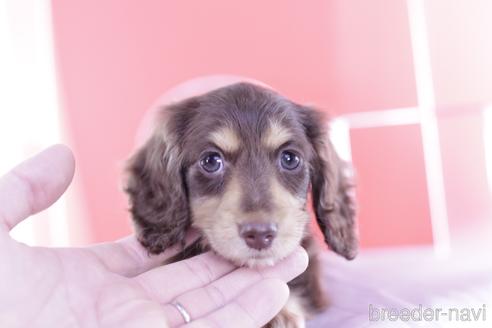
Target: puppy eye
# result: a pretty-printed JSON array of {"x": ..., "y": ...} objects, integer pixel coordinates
[
  {"x": 289, "y": 160},
  {"x": 211, "y": 162}
]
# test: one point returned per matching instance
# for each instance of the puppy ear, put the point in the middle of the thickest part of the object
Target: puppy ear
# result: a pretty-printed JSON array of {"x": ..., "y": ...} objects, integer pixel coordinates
[
  {"x": 157, "y": 193},
  {"x": 332, "y": 188}
]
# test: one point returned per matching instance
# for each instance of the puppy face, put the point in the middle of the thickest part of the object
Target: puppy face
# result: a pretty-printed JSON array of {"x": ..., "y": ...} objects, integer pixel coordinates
[
  {"x": 248, "y": 177},
  {"x": 237, "y": 164}
]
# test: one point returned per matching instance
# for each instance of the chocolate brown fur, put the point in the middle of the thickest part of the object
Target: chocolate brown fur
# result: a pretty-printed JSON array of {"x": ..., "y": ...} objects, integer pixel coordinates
[{"x": 248, "y": 126}]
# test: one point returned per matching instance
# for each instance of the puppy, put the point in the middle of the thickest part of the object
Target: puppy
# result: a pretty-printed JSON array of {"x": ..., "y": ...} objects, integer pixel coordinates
[{"x": 237, "y": 164}]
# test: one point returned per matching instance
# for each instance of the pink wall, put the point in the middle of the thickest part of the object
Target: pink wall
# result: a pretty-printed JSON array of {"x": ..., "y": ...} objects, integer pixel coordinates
[
  {"x": 394, "y": 207},
  {"x": 116, "y": 57}
]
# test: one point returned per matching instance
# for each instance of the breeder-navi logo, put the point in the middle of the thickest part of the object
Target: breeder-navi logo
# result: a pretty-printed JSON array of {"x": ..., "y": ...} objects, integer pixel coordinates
[{"x": 421, "y": 313}]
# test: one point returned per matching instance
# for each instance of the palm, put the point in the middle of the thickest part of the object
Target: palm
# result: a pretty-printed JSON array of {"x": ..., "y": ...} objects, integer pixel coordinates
[{"x": 55, "y": 277}]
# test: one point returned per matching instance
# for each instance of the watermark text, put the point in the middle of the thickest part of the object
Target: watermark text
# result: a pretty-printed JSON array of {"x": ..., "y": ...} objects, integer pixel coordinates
[{"x": 422, "y": 313}]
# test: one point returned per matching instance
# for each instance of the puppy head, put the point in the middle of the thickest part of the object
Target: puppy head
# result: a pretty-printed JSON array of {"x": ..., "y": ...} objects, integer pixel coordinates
[{"x": 237, "y": 163}]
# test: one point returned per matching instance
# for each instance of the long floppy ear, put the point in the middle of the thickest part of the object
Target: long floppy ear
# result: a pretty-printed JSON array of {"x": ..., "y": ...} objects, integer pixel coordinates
[
  {"x": 157, "y": 193},
  {"x": 332, "y": 188}
]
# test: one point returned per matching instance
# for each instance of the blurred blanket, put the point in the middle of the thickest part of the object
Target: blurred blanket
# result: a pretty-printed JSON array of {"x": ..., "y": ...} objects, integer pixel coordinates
[{"x": 407, "y": 288}]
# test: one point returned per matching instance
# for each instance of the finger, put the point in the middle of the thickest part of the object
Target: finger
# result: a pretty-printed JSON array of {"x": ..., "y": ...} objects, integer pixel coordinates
[
  {"x": 35, "y": 184},
  {"x": 255, "y": 307},
  {"x": 201, "y": 301},
  {"x": 129, "y": 258},
  {"x": 165, "y": 283}
]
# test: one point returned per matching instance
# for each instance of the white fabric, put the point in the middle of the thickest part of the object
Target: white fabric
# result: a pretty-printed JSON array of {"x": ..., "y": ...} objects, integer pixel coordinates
[{"x": 407, "y": 278}]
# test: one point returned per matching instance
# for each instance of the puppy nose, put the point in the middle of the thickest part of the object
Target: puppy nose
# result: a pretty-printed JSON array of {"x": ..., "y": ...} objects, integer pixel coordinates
[{"x": 258, "y": 235}]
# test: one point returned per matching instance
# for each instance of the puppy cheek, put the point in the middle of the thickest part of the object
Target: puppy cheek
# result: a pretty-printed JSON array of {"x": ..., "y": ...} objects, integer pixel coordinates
[
  {"x": 291, "y": 217},
  {"x": 203, "y": 213},
  {"x": 292, "y": 228}
]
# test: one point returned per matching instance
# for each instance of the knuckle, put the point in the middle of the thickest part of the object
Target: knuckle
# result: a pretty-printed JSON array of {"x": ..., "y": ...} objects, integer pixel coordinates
[
  {"x": 202, "y": 269},
  {"x": 216, "y": 295}
]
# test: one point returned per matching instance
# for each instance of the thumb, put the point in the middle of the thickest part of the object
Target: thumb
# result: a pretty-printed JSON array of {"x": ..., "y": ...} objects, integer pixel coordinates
[{"x": 35, "y": 184}]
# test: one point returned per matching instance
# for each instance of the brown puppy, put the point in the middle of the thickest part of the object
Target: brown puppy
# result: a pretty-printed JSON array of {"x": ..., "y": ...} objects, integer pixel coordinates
[{"x": 237, "y": 163}]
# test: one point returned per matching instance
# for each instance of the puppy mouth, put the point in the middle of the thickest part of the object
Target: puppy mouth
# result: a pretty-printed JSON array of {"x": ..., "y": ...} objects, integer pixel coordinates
[
  {"x": 260, "y": 256},
  {"x": 250, "y": 257},
  {"x": 261, "y": 260},
  {"x": 246, "y": 256}
]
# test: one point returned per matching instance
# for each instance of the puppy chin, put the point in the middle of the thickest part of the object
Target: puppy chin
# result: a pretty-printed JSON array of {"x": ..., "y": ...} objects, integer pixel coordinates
[
  {"x": 255, "y": 259},
  {"x": 259, "y": 263},
  {"x": 250, "y": 261}
]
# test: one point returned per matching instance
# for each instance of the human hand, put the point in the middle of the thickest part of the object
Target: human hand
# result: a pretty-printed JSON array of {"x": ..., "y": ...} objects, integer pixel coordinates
[{"x": 117, "y": 284}]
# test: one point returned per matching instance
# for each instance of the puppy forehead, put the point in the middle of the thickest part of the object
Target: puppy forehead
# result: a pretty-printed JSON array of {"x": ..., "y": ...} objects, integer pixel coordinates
[
  {"x": 239, "y": 118},
  {"x": 226, "y": 138},
  {"x": 276, "y": 134},
  {"x": 235, "y": 136},
  {"x": 268, "y": 132}
]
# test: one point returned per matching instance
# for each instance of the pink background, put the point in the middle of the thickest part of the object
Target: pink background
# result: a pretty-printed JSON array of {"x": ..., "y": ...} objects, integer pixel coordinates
[{"x": 116, "y": 57}]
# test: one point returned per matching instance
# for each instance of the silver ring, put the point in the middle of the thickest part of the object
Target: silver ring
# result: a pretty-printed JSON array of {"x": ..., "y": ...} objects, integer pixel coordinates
[{"x": 186, "y": 316}]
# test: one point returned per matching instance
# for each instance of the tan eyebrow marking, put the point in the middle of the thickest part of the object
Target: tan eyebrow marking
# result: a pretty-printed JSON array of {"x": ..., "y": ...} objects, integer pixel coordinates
[
  {"x": 226, "y": 139},
  {"x": 276, "y": 135}
]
